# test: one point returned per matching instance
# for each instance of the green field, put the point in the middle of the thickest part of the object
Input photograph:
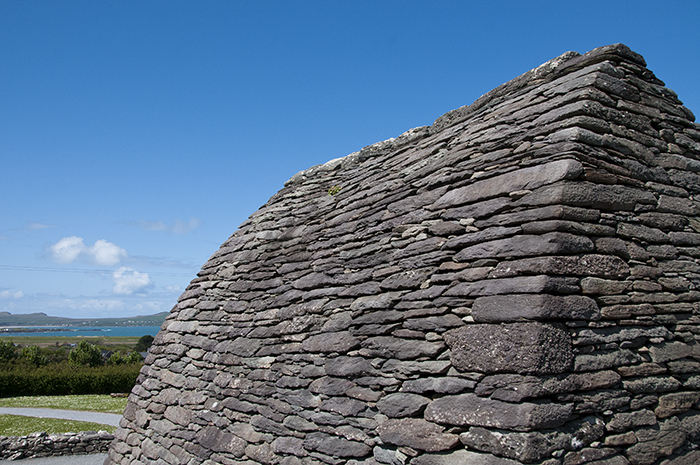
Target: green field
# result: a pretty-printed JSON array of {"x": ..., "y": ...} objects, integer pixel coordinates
[
  {"x": 15, "y": 425},
  {"x": 124, "y": 343}
]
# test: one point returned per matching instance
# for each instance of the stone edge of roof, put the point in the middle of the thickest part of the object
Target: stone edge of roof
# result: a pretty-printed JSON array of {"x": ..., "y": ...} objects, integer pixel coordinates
[{"x": 565, "y": 63}]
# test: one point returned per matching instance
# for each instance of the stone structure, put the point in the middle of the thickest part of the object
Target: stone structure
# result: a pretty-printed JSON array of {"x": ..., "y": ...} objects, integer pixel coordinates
[
  {"x": 52, "y": 445},
  {"x": 514, "y": 284}
]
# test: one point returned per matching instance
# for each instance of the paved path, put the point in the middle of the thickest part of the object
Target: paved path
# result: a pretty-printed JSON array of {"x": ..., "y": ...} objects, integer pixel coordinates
[
  {"x": 111, "y": 419},
  {"x": 92, "y": 459}
]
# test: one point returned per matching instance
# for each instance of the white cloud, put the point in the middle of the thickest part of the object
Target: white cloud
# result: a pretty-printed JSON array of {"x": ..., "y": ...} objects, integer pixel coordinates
[
  {"x": 174, "y": 289},
  {"x": 70, "y": 249},
  {"x": 106, "y": 253},
  {"x": 11, "y": 295},
  {"x": 179, "y": 227},
  {"x": 129, "y": 281},
  {"x": 67, "y": 249}
]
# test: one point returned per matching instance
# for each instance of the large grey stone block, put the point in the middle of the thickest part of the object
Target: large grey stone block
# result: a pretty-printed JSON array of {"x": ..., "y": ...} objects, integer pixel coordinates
[{"x": 535, "y": 348}]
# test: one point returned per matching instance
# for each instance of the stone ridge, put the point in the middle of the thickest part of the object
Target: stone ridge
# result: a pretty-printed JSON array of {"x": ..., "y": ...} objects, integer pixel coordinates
[{"x": 515, "y": 284}]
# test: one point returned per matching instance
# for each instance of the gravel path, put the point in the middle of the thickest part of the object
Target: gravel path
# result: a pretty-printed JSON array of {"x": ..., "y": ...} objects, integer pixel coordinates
[{"x": 111, "y": 419}]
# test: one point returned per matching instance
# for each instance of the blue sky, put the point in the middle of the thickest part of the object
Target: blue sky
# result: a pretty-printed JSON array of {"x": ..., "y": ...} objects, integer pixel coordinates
[{"x": 135, "y": 136}]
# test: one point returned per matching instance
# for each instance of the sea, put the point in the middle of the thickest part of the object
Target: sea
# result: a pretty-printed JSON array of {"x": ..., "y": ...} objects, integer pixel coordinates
[{"x": 75, "y": 331}]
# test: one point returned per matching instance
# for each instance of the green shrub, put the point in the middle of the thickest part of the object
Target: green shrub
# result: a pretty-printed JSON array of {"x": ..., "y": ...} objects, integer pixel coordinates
[
  {"x": 118, "y": 358},
  {"x": 7, "y": 351},
  {"x": 33, "y": 355},
  {"x": 85, "y": 354},
  {"x": 144, "y": 343},
  {"x": 66, "y": 379}
]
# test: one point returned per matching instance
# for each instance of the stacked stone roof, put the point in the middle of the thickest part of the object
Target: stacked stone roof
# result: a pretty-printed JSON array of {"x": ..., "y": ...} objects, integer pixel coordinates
[{"x": 514, "y": 284}]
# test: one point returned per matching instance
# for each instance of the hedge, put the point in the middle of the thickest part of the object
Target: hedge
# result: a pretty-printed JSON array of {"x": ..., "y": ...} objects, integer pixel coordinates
[{"x": 64, "y": 379}]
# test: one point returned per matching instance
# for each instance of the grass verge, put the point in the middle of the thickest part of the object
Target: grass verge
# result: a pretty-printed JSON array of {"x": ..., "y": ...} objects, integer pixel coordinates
[
  {"x": 16, "y": 425},
  {"x": 87, "y": 402}
]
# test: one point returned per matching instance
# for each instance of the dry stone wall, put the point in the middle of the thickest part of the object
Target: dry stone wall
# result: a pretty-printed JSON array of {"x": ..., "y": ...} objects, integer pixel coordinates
[
  {"x": 53, "y": 445},
  {"x": 515, "y": 284}
]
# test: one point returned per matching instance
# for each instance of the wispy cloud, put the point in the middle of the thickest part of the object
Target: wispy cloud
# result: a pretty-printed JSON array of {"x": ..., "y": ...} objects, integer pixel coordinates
[
  {"x": 178, "y": 227},
  {"x": 7, "y": 295},
  {"x": 32, "y": 226},
  {"x": 128, "y": 281},
  {"x": 173, "y": 289},
  {"x": 70, "y": 249}
]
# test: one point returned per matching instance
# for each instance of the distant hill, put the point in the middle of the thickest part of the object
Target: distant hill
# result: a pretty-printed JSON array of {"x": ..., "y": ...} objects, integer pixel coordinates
[{"x": 42, "y": 319}]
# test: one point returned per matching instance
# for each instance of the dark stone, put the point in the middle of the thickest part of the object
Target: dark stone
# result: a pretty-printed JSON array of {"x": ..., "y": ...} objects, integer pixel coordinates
[
  {"x": 513, "y": 347},
  {"x": 471, "y": 410},
  {"x": 504, "y": 308},
  {"x": 461, "y": 457},
  {"x": 553, "y": 243},
  {"x": 220, "y": 441},
  {"x": 445, "y": 385},
  {"x": 524, "y": 447},
  {"x": 520, "y": 284},
  {"x": 526, "y": 178},
  {"x": 417, "y": 434},
  {"x": 335, "y": 446},
  {"x": 391, "y": 347},
  {"x": 402, "y": 404},
  {"x": 605, "y": 266},
  {"x": 330, "y": 342}
]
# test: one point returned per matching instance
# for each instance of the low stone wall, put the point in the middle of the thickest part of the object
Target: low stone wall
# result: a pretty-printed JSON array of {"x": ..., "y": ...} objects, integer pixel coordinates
[{"x": 47, "y": 445}]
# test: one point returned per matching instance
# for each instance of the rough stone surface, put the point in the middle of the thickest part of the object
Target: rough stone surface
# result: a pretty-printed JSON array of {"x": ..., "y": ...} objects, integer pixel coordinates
[
  {"x": 50, "y": 445},
  {"x": 512, "y": 347},
  {"x": 523, "y": 273}
]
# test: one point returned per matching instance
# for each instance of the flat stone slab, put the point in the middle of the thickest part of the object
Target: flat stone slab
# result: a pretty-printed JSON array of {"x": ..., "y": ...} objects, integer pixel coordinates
[
  {"x": 516, "y": 307},
  {"x": 472, "y": 410}
]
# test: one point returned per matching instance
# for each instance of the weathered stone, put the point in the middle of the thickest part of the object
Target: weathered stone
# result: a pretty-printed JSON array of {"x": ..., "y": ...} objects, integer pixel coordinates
[
  {"x": 335, "y": 446},
  {"x": 221, "y": 441},
  {"x": 678, "y": 402},
  {"x": 526, "y": 178},
  {"x": 391, "y": 347},
  {"x": 672, "y": 351},
  {"x": 471, "y": 410},
  {"x": 522, "y": 284},
  {"x": 461, "y": 457},
  {"x": 656, "y": 442},
  {"x": 604, "y": 361},
  {"x": 525, "y": 447},
  {"x": 513, "y": 347},
  {"x": 652, "y": 384},
  {"x": 331, "y": 342},
  {"x": 606, "y": 266},
  {"x": 402, "y": 404},
  {"x": 417, "y": 434},
  {"x": 553, "y": 243},
  {"x": 516, "y": 388},
  {"x": 446, "y": 385},
  {"x": 588, "y": 195},
  {"x": 627, "y": 420},
  {"x": 504, "y": 308}
]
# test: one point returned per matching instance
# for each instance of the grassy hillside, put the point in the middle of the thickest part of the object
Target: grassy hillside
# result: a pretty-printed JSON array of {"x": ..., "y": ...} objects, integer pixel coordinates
[{"x": 42, "y": 319}]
